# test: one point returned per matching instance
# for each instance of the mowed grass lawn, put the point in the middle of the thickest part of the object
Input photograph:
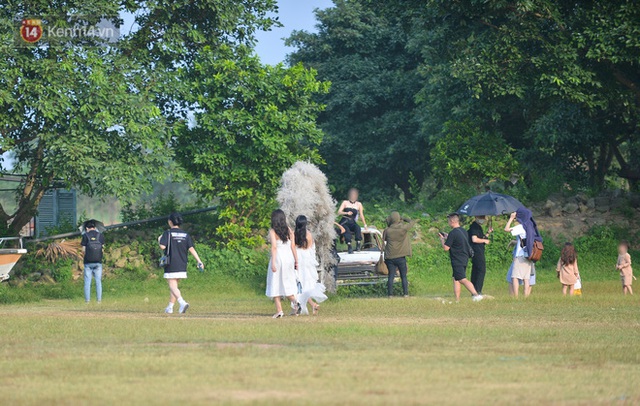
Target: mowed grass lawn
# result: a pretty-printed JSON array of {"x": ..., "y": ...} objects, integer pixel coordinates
[{"x": 227, "y": 350}]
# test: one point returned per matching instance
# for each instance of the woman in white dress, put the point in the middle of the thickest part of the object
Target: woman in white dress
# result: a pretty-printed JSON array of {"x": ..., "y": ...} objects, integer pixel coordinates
[
  {"x": 312, "y": 290},
  {"x": 281, "y": 275}
]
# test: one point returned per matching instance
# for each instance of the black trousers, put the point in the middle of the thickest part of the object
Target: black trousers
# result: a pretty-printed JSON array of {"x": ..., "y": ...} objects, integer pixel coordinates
[
  {"x": 478, "y": 270},
  {"x": 393, "y": 265},
  {"x": 350, "y": 228}
]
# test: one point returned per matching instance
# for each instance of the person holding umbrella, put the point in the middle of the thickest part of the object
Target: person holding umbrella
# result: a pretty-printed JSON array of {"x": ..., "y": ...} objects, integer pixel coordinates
[
  {"x": 526, "y": 232},
  {"x": 478, "y": 242},
  {"x": 486, "y": 204}
]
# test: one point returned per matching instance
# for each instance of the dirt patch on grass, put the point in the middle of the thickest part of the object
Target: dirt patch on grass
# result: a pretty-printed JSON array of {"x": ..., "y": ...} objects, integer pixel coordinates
[
  {"x": 222, "y": 345},
  {"x": 271, "y": 395}
]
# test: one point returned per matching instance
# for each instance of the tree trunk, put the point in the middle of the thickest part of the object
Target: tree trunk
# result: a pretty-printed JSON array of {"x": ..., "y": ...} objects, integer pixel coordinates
[
  {"x": 632, "y": 175},
  {"x": 33, "y": 190},
  {"x": 605, "y": 156}
]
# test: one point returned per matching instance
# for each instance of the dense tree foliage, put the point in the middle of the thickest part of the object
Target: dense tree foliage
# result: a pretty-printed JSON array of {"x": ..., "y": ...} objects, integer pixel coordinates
[
  {"x": 466, "y": 155},
  {"x": 372, "y": 135},
  {"x": 72, "y": 114},
  {"x": 253, "y": 122},
  {"x": 558, "y": 79},
  {"x": 108, "y": 118}
]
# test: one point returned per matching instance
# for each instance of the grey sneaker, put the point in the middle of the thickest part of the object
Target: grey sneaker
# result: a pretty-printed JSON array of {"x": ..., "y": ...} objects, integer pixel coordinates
[{"x": 184, "y": 308}]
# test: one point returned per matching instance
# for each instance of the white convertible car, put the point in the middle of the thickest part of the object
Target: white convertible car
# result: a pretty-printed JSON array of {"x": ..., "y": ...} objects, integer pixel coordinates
[{"x": 360, "y": 268}]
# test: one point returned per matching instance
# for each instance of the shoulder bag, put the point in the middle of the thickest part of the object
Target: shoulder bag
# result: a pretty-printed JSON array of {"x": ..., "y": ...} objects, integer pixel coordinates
[
  {"x": 536, "y": 253},
  {"x": 165, "y": 260}
]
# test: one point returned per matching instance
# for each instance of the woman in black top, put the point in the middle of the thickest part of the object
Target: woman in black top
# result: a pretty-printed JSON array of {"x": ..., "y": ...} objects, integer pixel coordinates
[
  {"x": 478, "y": 240},
  {"x": 177, "y": 245}
]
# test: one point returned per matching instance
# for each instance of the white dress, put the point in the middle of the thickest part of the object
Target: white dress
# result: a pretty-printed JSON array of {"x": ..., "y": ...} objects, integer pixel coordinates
[
  {"x": 308, "y": 274},
  {"x": 283, "y": 281}
]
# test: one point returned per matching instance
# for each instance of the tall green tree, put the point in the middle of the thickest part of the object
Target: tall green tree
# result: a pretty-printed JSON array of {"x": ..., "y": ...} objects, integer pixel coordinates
[
  {"x": 102, "y": 118},
  {"x": 373, "y": 138},
  {"x": 72, "y": 114},
  {"x": 557, "y": 78},
  {"x": 530, "y": 58},
  {"x": 236, "y": 124},
  {"x": 253, "y": 122}
]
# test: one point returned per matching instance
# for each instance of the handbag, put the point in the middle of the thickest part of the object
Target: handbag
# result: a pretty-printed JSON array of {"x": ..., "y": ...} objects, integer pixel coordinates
[
  {"x": 165, "y": 259},
  {"x": 536, "y": 253},
  {"x": 381, "y": 266},
  {"x": 577, "y": 288}
]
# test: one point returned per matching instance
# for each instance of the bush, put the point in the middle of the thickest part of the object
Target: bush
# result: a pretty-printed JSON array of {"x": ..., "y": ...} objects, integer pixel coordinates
[
  {"x": 468, "y": 155},
  {"x": 448, "y": 200},
  {"x": 62, "y": 270},
  {"x": 241, "y": 263},
  {"x": 132, "y": 273}
]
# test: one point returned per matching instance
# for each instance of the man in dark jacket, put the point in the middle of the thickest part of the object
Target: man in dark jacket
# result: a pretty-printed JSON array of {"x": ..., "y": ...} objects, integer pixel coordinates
[{"x": 397, "y": 247}]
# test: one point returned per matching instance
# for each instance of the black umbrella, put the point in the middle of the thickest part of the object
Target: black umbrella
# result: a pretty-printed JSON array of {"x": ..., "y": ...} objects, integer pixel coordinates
[
  {"x": 490, "y": 204},
  {"x": 99, "y": 226}
]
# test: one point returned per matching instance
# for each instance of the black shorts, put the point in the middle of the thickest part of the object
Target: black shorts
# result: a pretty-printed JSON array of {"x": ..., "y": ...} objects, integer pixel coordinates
[{"x": 459, "y": 273}]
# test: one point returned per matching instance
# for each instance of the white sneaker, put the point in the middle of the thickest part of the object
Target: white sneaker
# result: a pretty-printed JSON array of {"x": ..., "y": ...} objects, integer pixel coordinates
[
  {"x": 169, "y": 310},
  {"x": 478, "y": 298},
  {"x": 184, "y": 308}
]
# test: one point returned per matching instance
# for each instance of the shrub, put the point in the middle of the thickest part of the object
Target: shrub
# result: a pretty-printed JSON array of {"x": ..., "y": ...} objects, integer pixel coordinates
[
  {"x": 131, "y": 273},
  {"x": 241, "y": 263},
  {"x": 62, "y": 270},
  {"x": 467, "y": 155}
]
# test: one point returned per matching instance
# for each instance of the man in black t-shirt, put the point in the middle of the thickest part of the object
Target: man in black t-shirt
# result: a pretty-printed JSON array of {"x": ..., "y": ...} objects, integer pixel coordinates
[
  {"x": 92, "y": 245},
  {"x": 478, "y": 241},
  {"x": 457, "y": 244}
]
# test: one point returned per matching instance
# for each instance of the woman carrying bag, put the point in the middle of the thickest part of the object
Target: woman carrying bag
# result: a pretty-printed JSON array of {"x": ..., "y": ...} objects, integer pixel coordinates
[{"x": 176, "y": 244}]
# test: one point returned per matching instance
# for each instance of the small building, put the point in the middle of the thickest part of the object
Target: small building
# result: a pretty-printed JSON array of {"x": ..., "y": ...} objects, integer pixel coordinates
[{"x": 58, "y": 208}]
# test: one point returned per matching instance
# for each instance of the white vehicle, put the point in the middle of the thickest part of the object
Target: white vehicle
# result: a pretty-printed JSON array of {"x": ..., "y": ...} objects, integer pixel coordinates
[
  {"x": 360, "y": 268},
  {"x": 9, "y": 256}
]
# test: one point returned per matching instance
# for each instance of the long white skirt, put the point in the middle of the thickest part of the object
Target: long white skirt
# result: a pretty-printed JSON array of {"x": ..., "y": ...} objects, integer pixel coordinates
[
  {"x": 308, "y": 276},
  {"x": 283, "y": 281}
]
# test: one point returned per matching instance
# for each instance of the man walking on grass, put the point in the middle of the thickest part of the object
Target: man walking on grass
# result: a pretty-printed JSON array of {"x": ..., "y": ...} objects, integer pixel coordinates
[
  {"x": 92, "y": 244},
  {"x": 457, "y": 244}
]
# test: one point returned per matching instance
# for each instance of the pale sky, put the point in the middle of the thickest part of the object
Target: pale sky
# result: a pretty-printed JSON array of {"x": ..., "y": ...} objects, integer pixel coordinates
[{"x": 294, "y": 15}]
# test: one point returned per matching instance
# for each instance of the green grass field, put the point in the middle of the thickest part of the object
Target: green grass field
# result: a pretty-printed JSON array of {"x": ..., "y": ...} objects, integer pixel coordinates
[{"x": 227, "y": 350}]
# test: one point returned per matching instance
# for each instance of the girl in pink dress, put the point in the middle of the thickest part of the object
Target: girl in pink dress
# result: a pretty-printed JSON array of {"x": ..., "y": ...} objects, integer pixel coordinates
[
  {"x": 567, "y": 268},
  {"x": 624, "y": 266}
]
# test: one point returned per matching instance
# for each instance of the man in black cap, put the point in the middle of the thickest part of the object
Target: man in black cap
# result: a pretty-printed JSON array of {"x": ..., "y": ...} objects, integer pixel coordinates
[{"x": 460, "y": 251}]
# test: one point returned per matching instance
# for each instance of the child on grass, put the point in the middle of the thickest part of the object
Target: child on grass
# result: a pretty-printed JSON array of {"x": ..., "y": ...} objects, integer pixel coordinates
[
  {"x": 567, "y": 268},
  {"x": 624, "y": 266}
]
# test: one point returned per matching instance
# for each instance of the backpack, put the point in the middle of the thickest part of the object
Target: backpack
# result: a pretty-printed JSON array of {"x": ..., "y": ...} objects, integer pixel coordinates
[
  {"x": 536, "y": 255},
  {"x": 93, "y": 249}
]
